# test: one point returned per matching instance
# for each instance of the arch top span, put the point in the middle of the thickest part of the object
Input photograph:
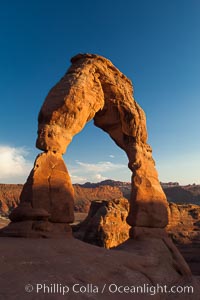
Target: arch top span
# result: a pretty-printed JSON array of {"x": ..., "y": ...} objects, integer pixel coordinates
[{"x": 92, "y": 88}]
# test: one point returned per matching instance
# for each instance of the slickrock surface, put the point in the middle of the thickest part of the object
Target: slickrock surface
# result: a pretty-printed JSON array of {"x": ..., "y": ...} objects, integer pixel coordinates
[
  {"x": 97, "y": 229},
  {"x": 69, "y": 261}
]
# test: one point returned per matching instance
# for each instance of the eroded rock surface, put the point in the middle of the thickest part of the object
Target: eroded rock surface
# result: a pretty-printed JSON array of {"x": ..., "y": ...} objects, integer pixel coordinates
[
  {"x": 46, "y": 201},
  {"x": 9, "y": 197},
  {"x": 184, "y": 229},
  {"x": 93, "y": 88},
  {"x": 184, "y": 223},
  {"x": 105, "y": 224},
  {"x": 69, "y": 261},
  {"x": 83, "y": 196},
  {"x": 107, "y": 217}
]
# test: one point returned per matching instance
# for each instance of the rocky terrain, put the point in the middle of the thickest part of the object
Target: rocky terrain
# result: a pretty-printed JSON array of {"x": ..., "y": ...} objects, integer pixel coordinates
[
  {"x": 184, "y": 223},
  {"x": 149, "y": 262},
  {"x": 92, "y": 88},
  {"x": 184, "y": 226},
  {"x": 10, "y": 194},
  {"x": 174, "y": 192},
  {"x": 106, "y": 226},
  {"x": 104, "y": 190},
  {"x": 183, "y": 194},
  {"x": 9, "y": 197},
  {"x": 85, "y": 195},
  {"x": 184, "y": 229}
]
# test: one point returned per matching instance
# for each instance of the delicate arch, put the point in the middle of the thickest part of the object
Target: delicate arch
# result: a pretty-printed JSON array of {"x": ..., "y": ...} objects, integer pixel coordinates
[{"x": 91, "y": 89}]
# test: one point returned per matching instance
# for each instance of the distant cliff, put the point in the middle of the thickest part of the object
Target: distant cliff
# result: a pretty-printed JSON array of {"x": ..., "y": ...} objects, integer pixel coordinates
[
  {"x": 10, "y": 193},
  {"x": 9, "y": 197},
  {"x": 174, "y": 192},
  {"x": 104, "y": 190},
  {"x": 85, "y": 195}
]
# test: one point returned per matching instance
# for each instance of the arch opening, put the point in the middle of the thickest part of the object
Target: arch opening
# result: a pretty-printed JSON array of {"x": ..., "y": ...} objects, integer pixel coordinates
[{"x": 93, "y": 156}]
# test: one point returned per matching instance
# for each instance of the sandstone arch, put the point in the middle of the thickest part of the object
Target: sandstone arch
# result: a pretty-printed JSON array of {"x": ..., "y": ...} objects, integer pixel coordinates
[{"x": 91, "y": 89}]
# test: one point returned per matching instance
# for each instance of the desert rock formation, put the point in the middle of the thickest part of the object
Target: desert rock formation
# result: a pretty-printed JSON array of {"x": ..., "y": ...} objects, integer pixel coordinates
[
  {"x": 83, "y": 196},
  {"x": 184, "y": 223},
  {"x": 105, "y": 224},
  {"x": 9, "y": 197},
  {"x": 91, "y": 89},
  {"x": 184, "y": 229},
  {"x": 85, "y": 193}
]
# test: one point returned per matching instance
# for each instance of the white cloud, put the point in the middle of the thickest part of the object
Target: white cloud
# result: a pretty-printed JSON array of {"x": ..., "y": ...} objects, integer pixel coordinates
[
  {"x": 14, "y": 166},
  {"x": 111, "y": 156},
  {"x": 78, "y": 179},
  {"x": 100, "y": 177},
  {"x": 101, "y": 166},
  {"x": 81, "y": 171}
]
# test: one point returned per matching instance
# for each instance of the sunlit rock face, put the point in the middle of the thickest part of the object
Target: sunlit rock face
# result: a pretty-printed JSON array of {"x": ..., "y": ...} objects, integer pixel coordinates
[
  {"x": 92, "y": 88},
  {"x": 105, "y": 225}
]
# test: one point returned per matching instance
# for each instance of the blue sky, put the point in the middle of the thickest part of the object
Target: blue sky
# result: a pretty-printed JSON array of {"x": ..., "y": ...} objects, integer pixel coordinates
[{"x": 155, "y": 43}]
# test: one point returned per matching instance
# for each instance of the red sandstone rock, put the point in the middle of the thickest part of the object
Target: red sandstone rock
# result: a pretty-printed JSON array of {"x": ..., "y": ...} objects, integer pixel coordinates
[
  {"x": 184, "y": 223},
  {"x": 105, "y": 224},
  {"x": 108, "y": 228},
  {"x": 49, "y": 187},
  {"x": 47, "y": 198},
  {"x": 9, "y": 197},
  {"x": 93, "y": 89},
  {"x": 69, "y": 261},
  {"x": 84, "y": 196}
]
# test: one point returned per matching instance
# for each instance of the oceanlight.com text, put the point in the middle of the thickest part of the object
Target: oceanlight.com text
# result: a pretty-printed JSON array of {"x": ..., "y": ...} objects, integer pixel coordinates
[{"x": 111, "y": 288}]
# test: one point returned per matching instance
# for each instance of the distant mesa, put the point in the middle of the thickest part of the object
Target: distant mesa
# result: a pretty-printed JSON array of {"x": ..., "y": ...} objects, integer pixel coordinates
[
  {"x": 109, "y": 189},
  {"x": 169, "y": 184},
  {"x": 108, "y": 182}
]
